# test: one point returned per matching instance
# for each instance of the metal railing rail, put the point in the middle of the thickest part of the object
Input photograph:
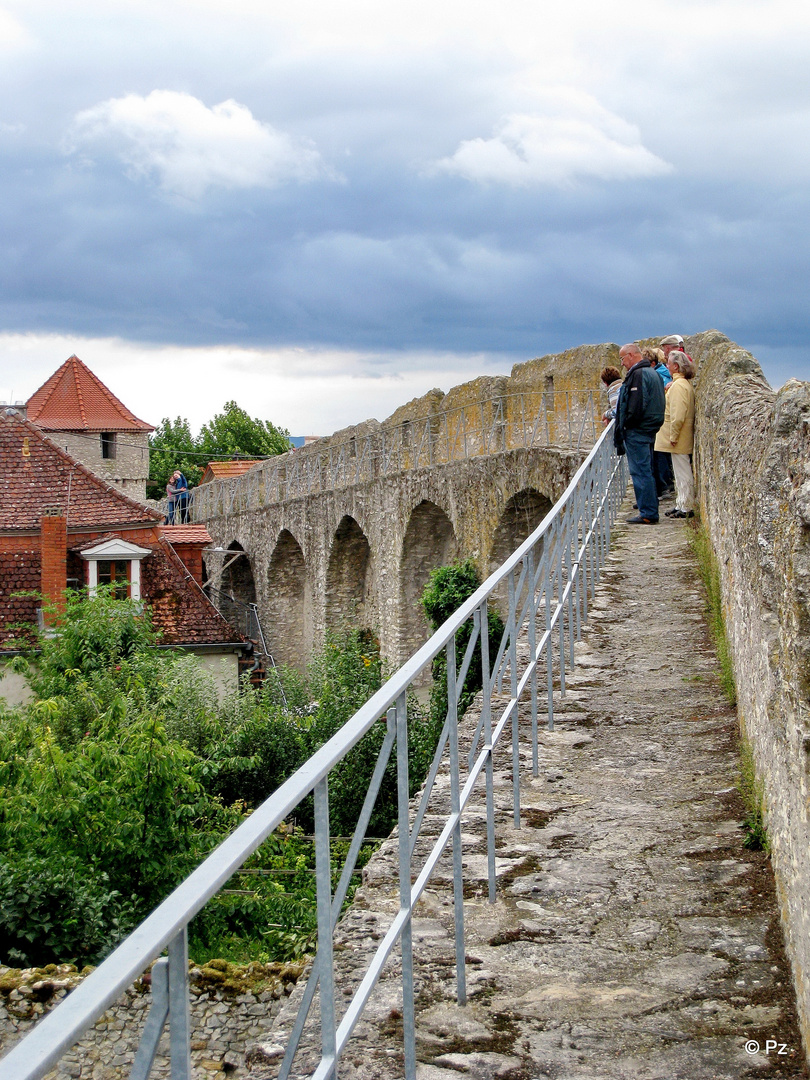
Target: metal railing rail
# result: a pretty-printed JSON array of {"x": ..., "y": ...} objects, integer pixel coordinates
[
  {"x": 549, "y": 580},
  {"x": 569, "y": 419}
]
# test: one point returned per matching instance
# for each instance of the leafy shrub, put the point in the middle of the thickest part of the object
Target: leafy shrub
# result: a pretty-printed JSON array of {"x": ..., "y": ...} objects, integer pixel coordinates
[
  {"x": 447, "y": 589},
  {"x": 126, "y": 771},
  {"x": 124, "y": 803},
  {"x": 54, "y": 908}
]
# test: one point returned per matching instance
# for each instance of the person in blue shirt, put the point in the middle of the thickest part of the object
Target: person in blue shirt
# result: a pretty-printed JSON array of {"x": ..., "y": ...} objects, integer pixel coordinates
[{"x": 182, "y": 496}]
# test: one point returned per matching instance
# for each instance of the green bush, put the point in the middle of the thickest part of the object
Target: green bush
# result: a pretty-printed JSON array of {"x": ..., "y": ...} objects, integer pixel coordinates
[
  {"x": 126, "y": 771},
  {"x": 447, "y": 589},
  {"x": 54, "y": 908}
]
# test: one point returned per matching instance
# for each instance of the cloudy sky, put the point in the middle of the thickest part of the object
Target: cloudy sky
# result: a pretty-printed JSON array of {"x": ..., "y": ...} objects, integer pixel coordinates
[{"x": 323, "y": 208}]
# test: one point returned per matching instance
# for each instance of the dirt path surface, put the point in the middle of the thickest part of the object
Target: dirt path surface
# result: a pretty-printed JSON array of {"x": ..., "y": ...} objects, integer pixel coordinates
[{"x": 633, "y": 937}]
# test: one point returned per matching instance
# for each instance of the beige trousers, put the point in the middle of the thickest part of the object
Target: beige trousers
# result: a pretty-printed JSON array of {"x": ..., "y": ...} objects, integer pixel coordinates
[{"x": 684, "y": 482}]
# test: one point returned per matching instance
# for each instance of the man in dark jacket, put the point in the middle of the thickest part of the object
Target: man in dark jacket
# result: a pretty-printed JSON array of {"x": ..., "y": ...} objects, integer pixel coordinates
[{"x": 639, "y": 415}]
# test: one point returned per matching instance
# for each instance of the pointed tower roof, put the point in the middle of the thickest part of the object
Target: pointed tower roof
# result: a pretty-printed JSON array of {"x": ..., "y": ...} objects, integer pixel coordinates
[
  {"x": 74, "y": 399},
  {"x": 34, "y": 473}
]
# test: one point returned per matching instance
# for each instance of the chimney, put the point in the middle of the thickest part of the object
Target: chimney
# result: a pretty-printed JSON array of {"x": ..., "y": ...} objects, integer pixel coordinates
[{"x": 53, "y": 553}]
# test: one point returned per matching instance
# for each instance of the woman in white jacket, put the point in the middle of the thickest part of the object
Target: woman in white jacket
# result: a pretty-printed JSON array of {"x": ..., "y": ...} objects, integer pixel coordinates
[{"x": 676, "y": 435}]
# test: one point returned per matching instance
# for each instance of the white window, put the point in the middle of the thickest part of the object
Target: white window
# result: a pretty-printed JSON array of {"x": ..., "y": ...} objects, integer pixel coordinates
[{"x": 115, "y": 562}]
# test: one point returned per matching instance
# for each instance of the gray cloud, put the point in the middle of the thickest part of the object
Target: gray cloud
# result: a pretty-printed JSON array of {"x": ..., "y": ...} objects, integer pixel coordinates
[{"x": 581, "y": 231}]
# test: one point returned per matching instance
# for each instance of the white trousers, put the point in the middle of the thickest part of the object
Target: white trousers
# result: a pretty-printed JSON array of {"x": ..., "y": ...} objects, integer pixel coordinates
[{"x": 684, "y": 482}]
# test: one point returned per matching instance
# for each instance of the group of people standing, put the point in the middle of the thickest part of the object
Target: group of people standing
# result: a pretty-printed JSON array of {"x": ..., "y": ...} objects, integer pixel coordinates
[{"x": 654, "y": 410}]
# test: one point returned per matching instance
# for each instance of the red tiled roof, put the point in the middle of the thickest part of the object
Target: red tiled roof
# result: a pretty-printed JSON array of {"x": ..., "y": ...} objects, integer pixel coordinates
[
  {"x": 186, "y": 534},
  {"x": 19, "y": 572},
  {"x": 225, "y": 470},
  {"x": 74, "y": 399},
  {"x": 180, "y": 609},
  {"x": 179, "y": 606},
  {"x": 36, "y": 475}
]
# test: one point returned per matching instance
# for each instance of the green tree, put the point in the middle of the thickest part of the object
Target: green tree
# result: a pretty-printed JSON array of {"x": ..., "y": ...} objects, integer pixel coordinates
[
  {"x": 172, "y": 446},
  {"x": 233, "y": 431}
]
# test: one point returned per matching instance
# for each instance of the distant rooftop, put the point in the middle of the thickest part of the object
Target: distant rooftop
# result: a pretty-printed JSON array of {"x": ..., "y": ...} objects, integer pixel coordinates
[
  {"x": 186, "y": 534},
  {"x": 226, "y": 470},
  {"x": 74, "y": 399}
]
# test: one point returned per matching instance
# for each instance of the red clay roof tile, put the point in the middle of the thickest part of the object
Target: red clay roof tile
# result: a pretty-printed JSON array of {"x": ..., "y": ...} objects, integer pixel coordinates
[
  {"x": 186, "y": 534},
  {"x": 74, "y": 399},
  {"x": 36, "y": 475},
  {"x": 224, "y": 470},
  {"x": 179, "y": 606}
]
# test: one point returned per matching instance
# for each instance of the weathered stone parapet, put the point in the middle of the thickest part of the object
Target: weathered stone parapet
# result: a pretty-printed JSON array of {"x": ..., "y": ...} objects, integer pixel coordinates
[
  {"x": 753, "y": 468},
  {"x": 230, "y": 1009}
]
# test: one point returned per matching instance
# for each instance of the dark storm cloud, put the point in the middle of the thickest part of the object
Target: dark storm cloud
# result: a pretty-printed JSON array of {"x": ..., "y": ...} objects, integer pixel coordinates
[{"x": 380, "y": 243}]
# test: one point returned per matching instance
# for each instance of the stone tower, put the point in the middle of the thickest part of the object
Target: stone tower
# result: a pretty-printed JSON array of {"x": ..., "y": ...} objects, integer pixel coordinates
[{"x": 77, "y": 412}]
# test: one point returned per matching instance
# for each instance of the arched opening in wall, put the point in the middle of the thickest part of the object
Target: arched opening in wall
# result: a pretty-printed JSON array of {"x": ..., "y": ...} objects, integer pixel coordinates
[
  {"x": 288, "y": 603},
  {"x": 520, "y": 517},
  {"x": 348, "y": 577},
  {"x": 236, "y": 589},
  {"x": 429, "y": 542}
]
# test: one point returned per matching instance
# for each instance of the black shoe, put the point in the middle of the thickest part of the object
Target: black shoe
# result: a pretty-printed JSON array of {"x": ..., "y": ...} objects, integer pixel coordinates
[
  {"x": 635, "y": 506},
  {"x": 681, "y": 513},
  {"x": 642, "y": 520},
  {"x": 673, "y": 513}
]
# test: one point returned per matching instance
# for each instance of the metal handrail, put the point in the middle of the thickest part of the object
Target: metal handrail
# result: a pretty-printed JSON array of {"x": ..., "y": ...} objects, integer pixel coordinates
[
  {"x": 549, "y": 579},
  {"x": 565, "y": 418}
]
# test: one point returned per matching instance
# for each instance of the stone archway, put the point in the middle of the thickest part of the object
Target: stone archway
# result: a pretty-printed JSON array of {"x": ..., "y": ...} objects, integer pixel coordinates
[
  {"x": 430, "y": 541},
  {"x": 236, "y": 588},
  {"x": 289, "y": 603},
  {"x": 521, "y": 516},
  {"x": 348, "y": 577}
]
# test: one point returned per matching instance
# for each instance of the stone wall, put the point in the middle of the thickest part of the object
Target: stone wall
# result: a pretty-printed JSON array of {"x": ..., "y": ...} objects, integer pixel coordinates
[
  {"x": 753, "y": 469},
  {"x": 230, "y": 1009},
  {"x": 127, "y": 471},
  {"x": 362, "y": 549},
  {"x": 364, "y": 552}
]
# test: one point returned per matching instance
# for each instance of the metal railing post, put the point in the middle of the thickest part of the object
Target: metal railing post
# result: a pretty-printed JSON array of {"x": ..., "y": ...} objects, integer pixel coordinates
[
  {"x": 155, "y": 1021},
  {"x": 405, "y": 906},
  {"x": 572, "y": 587},
  {"x": 179, "y": 1009},
  {"x": 549, "y": 661},
  {"x": 455, "y": 808},
  {"x": 561, "y": 604},
  {"x": 486, "y": 710},
  {"x": 532, "y": 634},
  {"x": 511, "y": 629},
  {"x": 323, "y": 886}
]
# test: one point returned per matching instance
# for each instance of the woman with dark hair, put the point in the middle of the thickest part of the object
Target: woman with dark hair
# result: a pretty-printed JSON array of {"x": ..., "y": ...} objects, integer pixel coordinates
[{"x": 677, "y": 434}]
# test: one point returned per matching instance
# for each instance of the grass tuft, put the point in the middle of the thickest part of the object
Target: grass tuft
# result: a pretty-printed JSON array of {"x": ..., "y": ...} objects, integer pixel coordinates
[
  {"x": 750, "y": 786},
  {"x": 710, "y": 572},
  {"x": 752, "y": 791}
]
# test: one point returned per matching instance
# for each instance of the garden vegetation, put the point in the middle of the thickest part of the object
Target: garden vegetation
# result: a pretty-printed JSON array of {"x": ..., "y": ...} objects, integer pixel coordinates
[{"x": 126, "y": 771}]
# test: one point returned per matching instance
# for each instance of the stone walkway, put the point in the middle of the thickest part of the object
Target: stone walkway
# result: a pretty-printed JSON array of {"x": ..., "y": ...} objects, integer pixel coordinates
[{"x": 634, "y": 937}]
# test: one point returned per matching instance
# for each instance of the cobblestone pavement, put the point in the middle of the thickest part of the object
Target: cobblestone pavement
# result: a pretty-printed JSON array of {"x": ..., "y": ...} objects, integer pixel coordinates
[{"x": 633, "y": 937}]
